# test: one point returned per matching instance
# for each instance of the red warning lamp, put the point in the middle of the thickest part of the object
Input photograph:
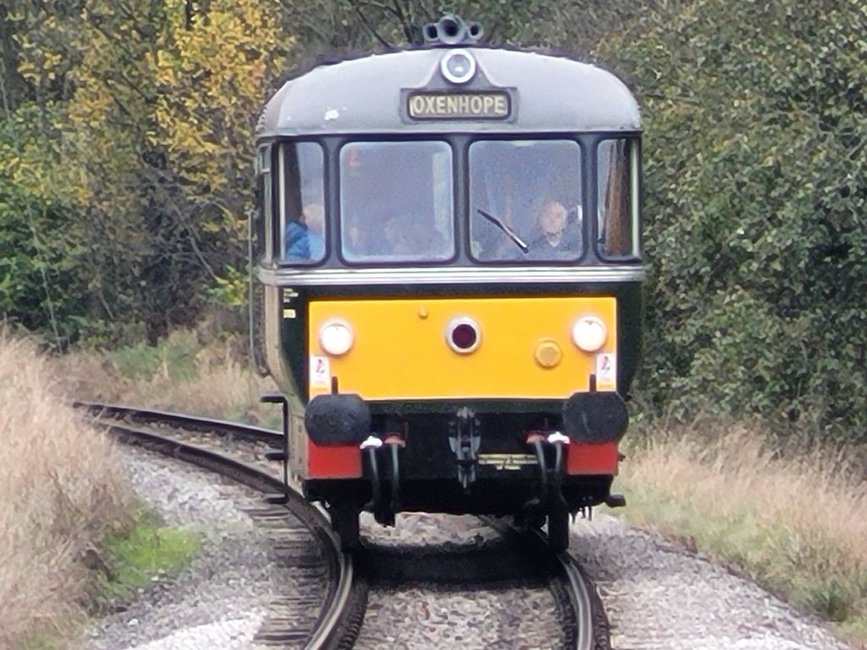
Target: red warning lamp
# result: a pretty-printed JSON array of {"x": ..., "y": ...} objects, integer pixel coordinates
[{"x": 463, "y": 335}]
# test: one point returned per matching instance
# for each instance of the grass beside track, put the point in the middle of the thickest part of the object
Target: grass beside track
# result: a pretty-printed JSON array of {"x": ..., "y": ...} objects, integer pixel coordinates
[
  {"x": 71, "y": 536},
  {"x": 61, "y": 493},
  {"x": 126, "y": 563},
  {"x": 147, "y": 553},
  {"x": 794, "y": 522}
]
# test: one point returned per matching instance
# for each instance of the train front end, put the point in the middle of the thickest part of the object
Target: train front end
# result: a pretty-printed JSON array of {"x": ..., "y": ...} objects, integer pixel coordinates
[{"x": 448, "y": 282}]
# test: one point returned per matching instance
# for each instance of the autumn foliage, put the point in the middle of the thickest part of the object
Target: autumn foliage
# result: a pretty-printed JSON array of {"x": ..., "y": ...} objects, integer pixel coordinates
[{"x": 135, "y": 145}]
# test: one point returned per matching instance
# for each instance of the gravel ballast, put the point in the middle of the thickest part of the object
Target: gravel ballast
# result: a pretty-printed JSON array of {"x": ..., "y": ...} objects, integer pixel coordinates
[{"x": 221, "y": 599}]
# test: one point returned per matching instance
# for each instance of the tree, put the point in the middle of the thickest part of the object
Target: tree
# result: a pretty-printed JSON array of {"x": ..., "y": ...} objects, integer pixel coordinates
[
  {"x": 142, "y": 128},
  {"x": 756, "y": 199}
]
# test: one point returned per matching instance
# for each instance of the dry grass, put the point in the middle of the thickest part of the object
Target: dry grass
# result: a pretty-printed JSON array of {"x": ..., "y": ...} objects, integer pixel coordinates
[
  {"x": 61, "y": 493},
  {"x": 189, "y": 372},
  {"x": 796, "y": 523}
]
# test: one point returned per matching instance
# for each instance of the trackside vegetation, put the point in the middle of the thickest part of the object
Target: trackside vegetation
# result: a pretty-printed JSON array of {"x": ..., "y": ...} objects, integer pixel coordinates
[
  {"x": 722, "y": 490},
  {"x": 757, "y": 207},
  {"x": 71, "y": 537},
  {"x": 148, "y": 553}
]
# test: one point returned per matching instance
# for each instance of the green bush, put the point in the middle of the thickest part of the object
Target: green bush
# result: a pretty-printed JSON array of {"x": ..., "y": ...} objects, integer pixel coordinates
[
  {"x": 39, "y": 285},
  {"x": 755, "y": 186},
  {"x": 173, "y": 357}
]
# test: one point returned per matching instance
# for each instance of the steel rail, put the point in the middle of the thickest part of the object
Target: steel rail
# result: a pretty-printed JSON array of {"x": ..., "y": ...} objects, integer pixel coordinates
[
  {"x": 333, "y": 623},
  {"x": 579, "y": 595},
  {"x": 579, "y": 592},
  {"x": 180, "y": 420}
]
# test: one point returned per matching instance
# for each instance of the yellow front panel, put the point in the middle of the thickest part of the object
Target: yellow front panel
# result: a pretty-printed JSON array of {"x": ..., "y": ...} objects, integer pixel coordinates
[{"x": 400, "y": 349}]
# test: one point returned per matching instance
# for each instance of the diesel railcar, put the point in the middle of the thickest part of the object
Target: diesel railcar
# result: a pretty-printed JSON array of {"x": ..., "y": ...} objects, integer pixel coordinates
[{"x": 447, "y": 279}]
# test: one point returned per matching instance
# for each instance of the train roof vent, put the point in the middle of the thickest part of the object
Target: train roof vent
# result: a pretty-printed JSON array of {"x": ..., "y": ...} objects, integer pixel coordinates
[{"x": 450, "y": 31}]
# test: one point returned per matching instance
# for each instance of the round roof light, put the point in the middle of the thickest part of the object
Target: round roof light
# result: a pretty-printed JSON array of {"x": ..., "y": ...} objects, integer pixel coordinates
[
  {"x": 463, "y": 335},
  {"x": 458, "y": 66},
  {"x": 589, "y": 333},
  {"x": 336, "y": 337}
]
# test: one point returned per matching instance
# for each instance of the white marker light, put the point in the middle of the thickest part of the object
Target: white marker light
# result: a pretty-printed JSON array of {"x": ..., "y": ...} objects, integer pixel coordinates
[
  {"x": 336, "y": 337},
  {"x": 589, "y": 333}
]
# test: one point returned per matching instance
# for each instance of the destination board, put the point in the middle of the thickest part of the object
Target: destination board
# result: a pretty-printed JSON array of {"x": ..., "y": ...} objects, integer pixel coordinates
[{"x": 489, "y": 105}]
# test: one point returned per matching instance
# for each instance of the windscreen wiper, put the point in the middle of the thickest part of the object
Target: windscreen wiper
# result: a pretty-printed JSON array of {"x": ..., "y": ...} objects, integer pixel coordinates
[{"x": 511, "y": 233}]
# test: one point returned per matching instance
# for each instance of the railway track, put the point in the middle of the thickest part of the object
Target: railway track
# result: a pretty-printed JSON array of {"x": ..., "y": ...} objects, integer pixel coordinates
[
  {"x": 290, "y": 623},
  {"x": 583, "y": 619},
  {"x": 585, "y": 623},
  {"x": 514, "y": 565},
  {"x": 525, "y": 557}
]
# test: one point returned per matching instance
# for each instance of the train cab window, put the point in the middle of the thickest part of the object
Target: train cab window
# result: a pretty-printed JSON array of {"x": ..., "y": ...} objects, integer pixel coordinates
[
  {"x": 618, "y": 199},
  {"x": 396, "y": 202},
  {"x": 302, "y": 202},
  {"x": 525, "y": 201}
]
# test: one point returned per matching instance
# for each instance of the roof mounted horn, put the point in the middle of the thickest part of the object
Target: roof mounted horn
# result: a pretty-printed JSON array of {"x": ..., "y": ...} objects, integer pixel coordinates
[{"x": 451, "y": 30}]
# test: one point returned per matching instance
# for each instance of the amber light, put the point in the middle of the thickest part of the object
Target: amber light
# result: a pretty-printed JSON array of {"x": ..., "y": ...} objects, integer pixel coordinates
[
  {"x": 463, "y": 335},
  {"x": 548, "y": 353}
]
